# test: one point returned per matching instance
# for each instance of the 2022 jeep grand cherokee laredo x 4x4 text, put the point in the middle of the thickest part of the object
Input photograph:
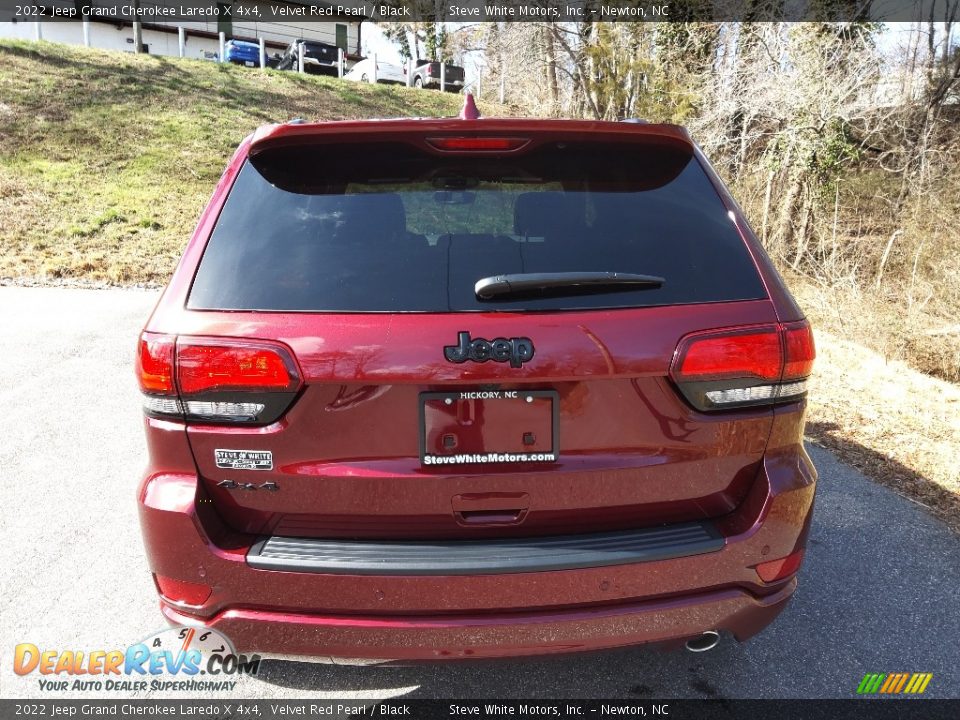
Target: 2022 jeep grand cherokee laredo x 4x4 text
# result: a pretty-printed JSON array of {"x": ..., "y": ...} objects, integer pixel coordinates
[{"x": 474, "y": 387}]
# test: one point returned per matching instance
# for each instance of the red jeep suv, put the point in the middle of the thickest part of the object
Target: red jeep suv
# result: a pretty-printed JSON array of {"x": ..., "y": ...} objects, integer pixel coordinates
[{"x": 444, "y": 388}]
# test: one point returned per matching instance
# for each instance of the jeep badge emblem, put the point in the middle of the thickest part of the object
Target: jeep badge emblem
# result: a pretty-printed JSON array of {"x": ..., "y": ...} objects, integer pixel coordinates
[{"x": 516, "y": 350}]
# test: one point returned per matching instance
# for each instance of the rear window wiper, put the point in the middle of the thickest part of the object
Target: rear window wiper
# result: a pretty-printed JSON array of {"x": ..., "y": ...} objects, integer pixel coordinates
[{"x": 498, "y": 287}]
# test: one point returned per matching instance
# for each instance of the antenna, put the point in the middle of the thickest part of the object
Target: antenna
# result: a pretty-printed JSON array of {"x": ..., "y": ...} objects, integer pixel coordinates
[{"x": 469, "y": 111}]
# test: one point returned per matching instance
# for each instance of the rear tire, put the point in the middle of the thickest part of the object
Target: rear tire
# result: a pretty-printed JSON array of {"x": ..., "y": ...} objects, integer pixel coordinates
[
  {"x": 418, "y": 82},
  {"x": 364, "y": 78}
]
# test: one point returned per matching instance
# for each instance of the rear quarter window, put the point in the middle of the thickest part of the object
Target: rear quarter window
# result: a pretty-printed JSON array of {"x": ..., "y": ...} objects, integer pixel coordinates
[{"x": 389, "y": 227}]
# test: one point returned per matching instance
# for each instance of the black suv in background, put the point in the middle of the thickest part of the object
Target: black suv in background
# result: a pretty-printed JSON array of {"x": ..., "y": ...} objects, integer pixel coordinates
[
  {"x": 427, "y": 74},
  {"x": 318, "y": 57}
]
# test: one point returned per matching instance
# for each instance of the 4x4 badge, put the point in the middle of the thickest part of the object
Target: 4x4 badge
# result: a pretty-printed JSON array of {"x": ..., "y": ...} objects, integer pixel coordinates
[
  {"x": 232, "y": 485},
  {"x": 516, "y": 350}
]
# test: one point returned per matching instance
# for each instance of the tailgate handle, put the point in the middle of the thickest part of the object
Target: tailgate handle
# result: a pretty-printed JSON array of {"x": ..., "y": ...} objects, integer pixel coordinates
[{"x": 490, "y": 508}]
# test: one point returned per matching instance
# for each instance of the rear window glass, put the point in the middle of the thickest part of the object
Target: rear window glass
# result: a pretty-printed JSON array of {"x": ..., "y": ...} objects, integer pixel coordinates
[{"x": 387, "y": 227}]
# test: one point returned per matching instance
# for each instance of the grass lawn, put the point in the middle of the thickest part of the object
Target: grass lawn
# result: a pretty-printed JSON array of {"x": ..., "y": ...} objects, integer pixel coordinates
[{"x": 107, "y": 158}]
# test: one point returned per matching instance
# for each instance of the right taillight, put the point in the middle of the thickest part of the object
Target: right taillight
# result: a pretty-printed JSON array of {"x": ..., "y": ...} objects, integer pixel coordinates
[
  {"x": 774, "y": 570},
  {"x": 799, "y": 350},
  {"x": 216, "y": 380},
  {"x": 746, "y": 366}
]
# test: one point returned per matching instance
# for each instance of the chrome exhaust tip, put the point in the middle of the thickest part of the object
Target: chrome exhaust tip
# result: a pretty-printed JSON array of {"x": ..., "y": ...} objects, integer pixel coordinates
[{"x": 704, "y": 642}]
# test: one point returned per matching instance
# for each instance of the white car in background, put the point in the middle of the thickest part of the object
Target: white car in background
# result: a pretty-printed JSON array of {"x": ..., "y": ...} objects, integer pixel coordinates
[{"x": 386, "y": 72}]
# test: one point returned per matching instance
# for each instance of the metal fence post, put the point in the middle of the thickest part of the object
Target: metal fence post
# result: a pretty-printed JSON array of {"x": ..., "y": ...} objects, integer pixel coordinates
[
  {"x": 86, "y": 31},
  {"x": 137, "y": 37},
  {"x": 373, "y": 75},
  {"x": 339, "y": 62},
  {"x": 300, "y": 57},
  {"x": 409, "y": 72},
  {"x": 182, "y": 40},
  {"x": 443, "y": 76},
  {"x": 263, "y": 53},
  {"x": 503, "y": 87},
  {"x": 222, "y": 51},
  {"x": 37, "y": 32}
]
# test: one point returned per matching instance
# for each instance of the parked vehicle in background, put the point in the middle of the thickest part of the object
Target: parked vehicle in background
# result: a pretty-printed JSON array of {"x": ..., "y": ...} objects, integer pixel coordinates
[
  {"x": 426, "y": 74},
  {"x": 318, "y": 57},
  {"x": 386, "y": 72},
  {"x": 448, "y": 388},
  {"x": 272, "y": 60},
  {"x": 241, "y": 52}
]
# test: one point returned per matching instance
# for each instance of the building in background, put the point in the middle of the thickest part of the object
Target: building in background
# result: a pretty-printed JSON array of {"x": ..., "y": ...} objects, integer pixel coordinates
[{"x": 202, "y": 37}]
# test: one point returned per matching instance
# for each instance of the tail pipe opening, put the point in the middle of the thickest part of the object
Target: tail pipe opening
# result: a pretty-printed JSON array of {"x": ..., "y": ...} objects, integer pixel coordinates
[{"x": 707, "y": 641}]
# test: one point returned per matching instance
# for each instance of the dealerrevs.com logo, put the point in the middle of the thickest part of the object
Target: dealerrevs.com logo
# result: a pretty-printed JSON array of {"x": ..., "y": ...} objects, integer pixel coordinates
[{"x": 183, "y": 658}]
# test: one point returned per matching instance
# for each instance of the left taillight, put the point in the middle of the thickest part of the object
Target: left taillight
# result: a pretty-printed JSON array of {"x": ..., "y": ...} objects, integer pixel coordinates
[
  {"x": 155, "y": 364},
  {"x": 742, "y": 367},
  {"x": 181, "y": 591},
  {"x": 216, "y": 380}
]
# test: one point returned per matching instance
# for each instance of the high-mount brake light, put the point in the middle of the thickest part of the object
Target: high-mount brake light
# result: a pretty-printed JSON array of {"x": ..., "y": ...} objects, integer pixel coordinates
[
  {"x": 740, "y": 367},
  {"x": 478, "y": 144},
  {"x": 213, "y": 380}
]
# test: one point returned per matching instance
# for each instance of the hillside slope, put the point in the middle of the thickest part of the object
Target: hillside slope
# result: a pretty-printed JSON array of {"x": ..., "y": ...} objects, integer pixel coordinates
[{"x": 106, "y": 158}]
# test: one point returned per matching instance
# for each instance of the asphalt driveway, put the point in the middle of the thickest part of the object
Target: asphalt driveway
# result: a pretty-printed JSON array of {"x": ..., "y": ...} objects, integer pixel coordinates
[{"x": 880, "y": 591}]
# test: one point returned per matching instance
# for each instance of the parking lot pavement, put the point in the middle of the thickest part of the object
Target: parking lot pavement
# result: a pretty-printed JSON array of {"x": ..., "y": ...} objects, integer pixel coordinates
[{"x": 878, "y": 592}]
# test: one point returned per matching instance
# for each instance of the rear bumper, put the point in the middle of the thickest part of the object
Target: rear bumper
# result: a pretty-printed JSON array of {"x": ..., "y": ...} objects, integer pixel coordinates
[
  {"x": 435, "y": 616},
  {"x": 439, "y": 638},
  {"x": 484, "y": 557},
  {"x": 435, "y": 83},
  {"x": 313, "y": 63}
]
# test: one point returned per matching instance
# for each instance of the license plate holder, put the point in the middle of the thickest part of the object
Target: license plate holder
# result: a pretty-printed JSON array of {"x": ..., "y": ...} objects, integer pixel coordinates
[{"x": 472, "y": 427}]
